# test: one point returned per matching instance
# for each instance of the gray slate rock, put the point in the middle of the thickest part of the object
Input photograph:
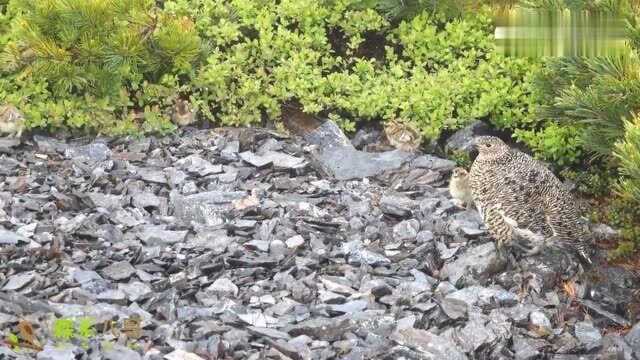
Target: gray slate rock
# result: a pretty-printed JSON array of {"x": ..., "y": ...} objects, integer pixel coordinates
[
  {"x": 11, "y": 238},
  {"x": 6, "y": 144},
  {"x": 588, "y": 335},
  {"x": 474, "y": 265},
  {"x": 633, "y": 339},
  {"x": 157, "y": 235},
  {"x": 274, "y": 158},
  {"x": 461, "y": 140},
  {"x": 91, "y": 153},
  {"x": 51, "y": 352},
  {"x": 349, "y": 163},
  {"x": 119, "y": 270},
  {"x": 119, "y": 352},
  {"x": 429, "y": 345},
  {"x": 18, "y": 281},
  {"x": 203, "y": 207}
]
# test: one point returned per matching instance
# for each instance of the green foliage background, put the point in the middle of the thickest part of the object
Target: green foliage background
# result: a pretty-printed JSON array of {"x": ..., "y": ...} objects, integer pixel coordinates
[{"x": 118, "y": 67}]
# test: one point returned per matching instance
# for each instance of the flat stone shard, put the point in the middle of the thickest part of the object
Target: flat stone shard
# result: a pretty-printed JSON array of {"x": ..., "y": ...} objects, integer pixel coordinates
[
  {"x": 633, "y": 339},
  {"x": 18, "y": 281},
  {"x": 11, "y": 238},
  {"x": 204, "y": 207},
  {"x": 322, "y": 328},
  {"x": 347, "y": 163},
  {"x": 429, "y": 345},
  {"x": 107, "y": 201},
  {"x": 197, "y": 165},
  {"x": 157, "y": 235},
  {"x": 276, "y": 159},
  {"x": 119, "y": 352},
  {"x": 92, "y": 153},
  {"x": 336, "y": 157},
  {"x": 224, "y": 286},
  {"x": 51, "y": 352},
  {"x": 431, "y": 162},
  {"x": 119, "y": 270},
  {"x": 182, "y": 355},
  {"x": 473, "y": 265},
  {"x": 454, "y": 308},
  {"x": 6, "y": 144},
  {"x": 462, "y": 139},
  {"x": 588, "y": 335}
]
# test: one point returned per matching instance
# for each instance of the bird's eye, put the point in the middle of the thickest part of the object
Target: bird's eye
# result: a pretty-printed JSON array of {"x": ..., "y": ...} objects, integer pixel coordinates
[{"x": 488, "y": 145}]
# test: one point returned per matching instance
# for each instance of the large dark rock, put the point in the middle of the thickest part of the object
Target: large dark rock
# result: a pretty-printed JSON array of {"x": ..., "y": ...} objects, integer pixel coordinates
[
  {"x": 462, "y": 139},
  {"x": 475, "y": 265}
]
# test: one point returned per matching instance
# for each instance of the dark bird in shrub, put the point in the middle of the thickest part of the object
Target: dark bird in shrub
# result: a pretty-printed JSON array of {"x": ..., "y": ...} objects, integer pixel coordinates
[
  {"x": 11, "y": 121},
  {"x": 523, "y": 203},
  {"x": 183, "y": 115},
  {"x": 402, "y": 135}
]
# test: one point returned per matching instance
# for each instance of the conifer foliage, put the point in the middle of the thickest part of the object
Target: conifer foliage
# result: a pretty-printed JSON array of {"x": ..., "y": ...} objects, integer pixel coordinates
[{"x": 86, "y": 56}]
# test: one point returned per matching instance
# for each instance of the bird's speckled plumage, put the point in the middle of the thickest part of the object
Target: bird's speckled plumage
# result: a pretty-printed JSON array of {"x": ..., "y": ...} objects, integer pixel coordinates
[{"x": 518, "y": 197}]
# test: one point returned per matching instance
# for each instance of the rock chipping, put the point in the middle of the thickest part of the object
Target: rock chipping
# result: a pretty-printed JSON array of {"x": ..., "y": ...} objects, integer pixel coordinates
[{"x": 245, "y": 244}]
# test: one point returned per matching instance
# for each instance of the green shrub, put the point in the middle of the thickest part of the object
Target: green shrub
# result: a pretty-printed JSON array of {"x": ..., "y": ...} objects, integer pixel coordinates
[
  {"x": 627, "y": 150},
  {"x": 238, "y": 61},
  {"x": 76, "y": 63},
  {"x": 559, "y": 144},
  {"x": 595, "y": 94}
]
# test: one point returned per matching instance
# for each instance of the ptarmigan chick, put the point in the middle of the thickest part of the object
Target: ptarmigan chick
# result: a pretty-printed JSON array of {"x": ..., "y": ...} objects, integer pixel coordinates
[
  {"x": 11, "y": 121},
  {"x": 522, "y": 202},
  {"x": 459, "y": 187},
  {"x": 183, "y": 115},
  {"x": 402, "y": 135}
]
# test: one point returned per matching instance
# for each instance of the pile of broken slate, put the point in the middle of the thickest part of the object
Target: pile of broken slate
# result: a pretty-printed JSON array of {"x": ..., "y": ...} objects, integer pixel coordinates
[{"x": 246, "y": 244}]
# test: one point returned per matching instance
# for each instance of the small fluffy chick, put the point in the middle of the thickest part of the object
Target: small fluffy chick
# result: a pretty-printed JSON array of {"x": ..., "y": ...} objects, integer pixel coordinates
[
  {"x": 402, "y": 135},
  {"x": 183, "y": 115},
  {"x": 459, "y": 187},
  {"x": 11, "y": 121}
]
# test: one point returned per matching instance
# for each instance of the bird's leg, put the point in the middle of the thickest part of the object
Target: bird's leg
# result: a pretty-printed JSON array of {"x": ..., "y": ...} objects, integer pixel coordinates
[
  {"x": 561, "y": 237},
  {"x": 528, "y": 242},
  {"x": 502, "y": 251},
  {"x": 469, "y": 205}
]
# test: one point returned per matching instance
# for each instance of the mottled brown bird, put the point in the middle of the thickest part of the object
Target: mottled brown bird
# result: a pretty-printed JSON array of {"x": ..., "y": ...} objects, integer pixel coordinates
[
  {"x": 183, "y": 115},
  {"x": 402, "y": 135},
  {"x": 522, "y": 202},
  {"x": 11, "y": 121},
  {"x": 459, "y": 187}
]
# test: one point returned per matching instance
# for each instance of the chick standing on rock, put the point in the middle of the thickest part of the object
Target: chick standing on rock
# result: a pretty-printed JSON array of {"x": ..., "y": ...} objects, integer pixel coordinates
[
  {"x": 11, "y": 121},
  {"x": 183, "y": 115},
  {"x": 459, "y": 187},
  {"x": 522, "y": 202}
]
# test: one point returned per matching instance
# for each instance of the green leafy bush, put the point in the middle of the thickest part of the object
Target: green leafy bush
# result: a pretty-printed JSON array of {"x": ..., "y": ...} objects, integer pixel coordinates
[
  {"x": 121, "y": 68},
  {"x": 559, "y": 144}
]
